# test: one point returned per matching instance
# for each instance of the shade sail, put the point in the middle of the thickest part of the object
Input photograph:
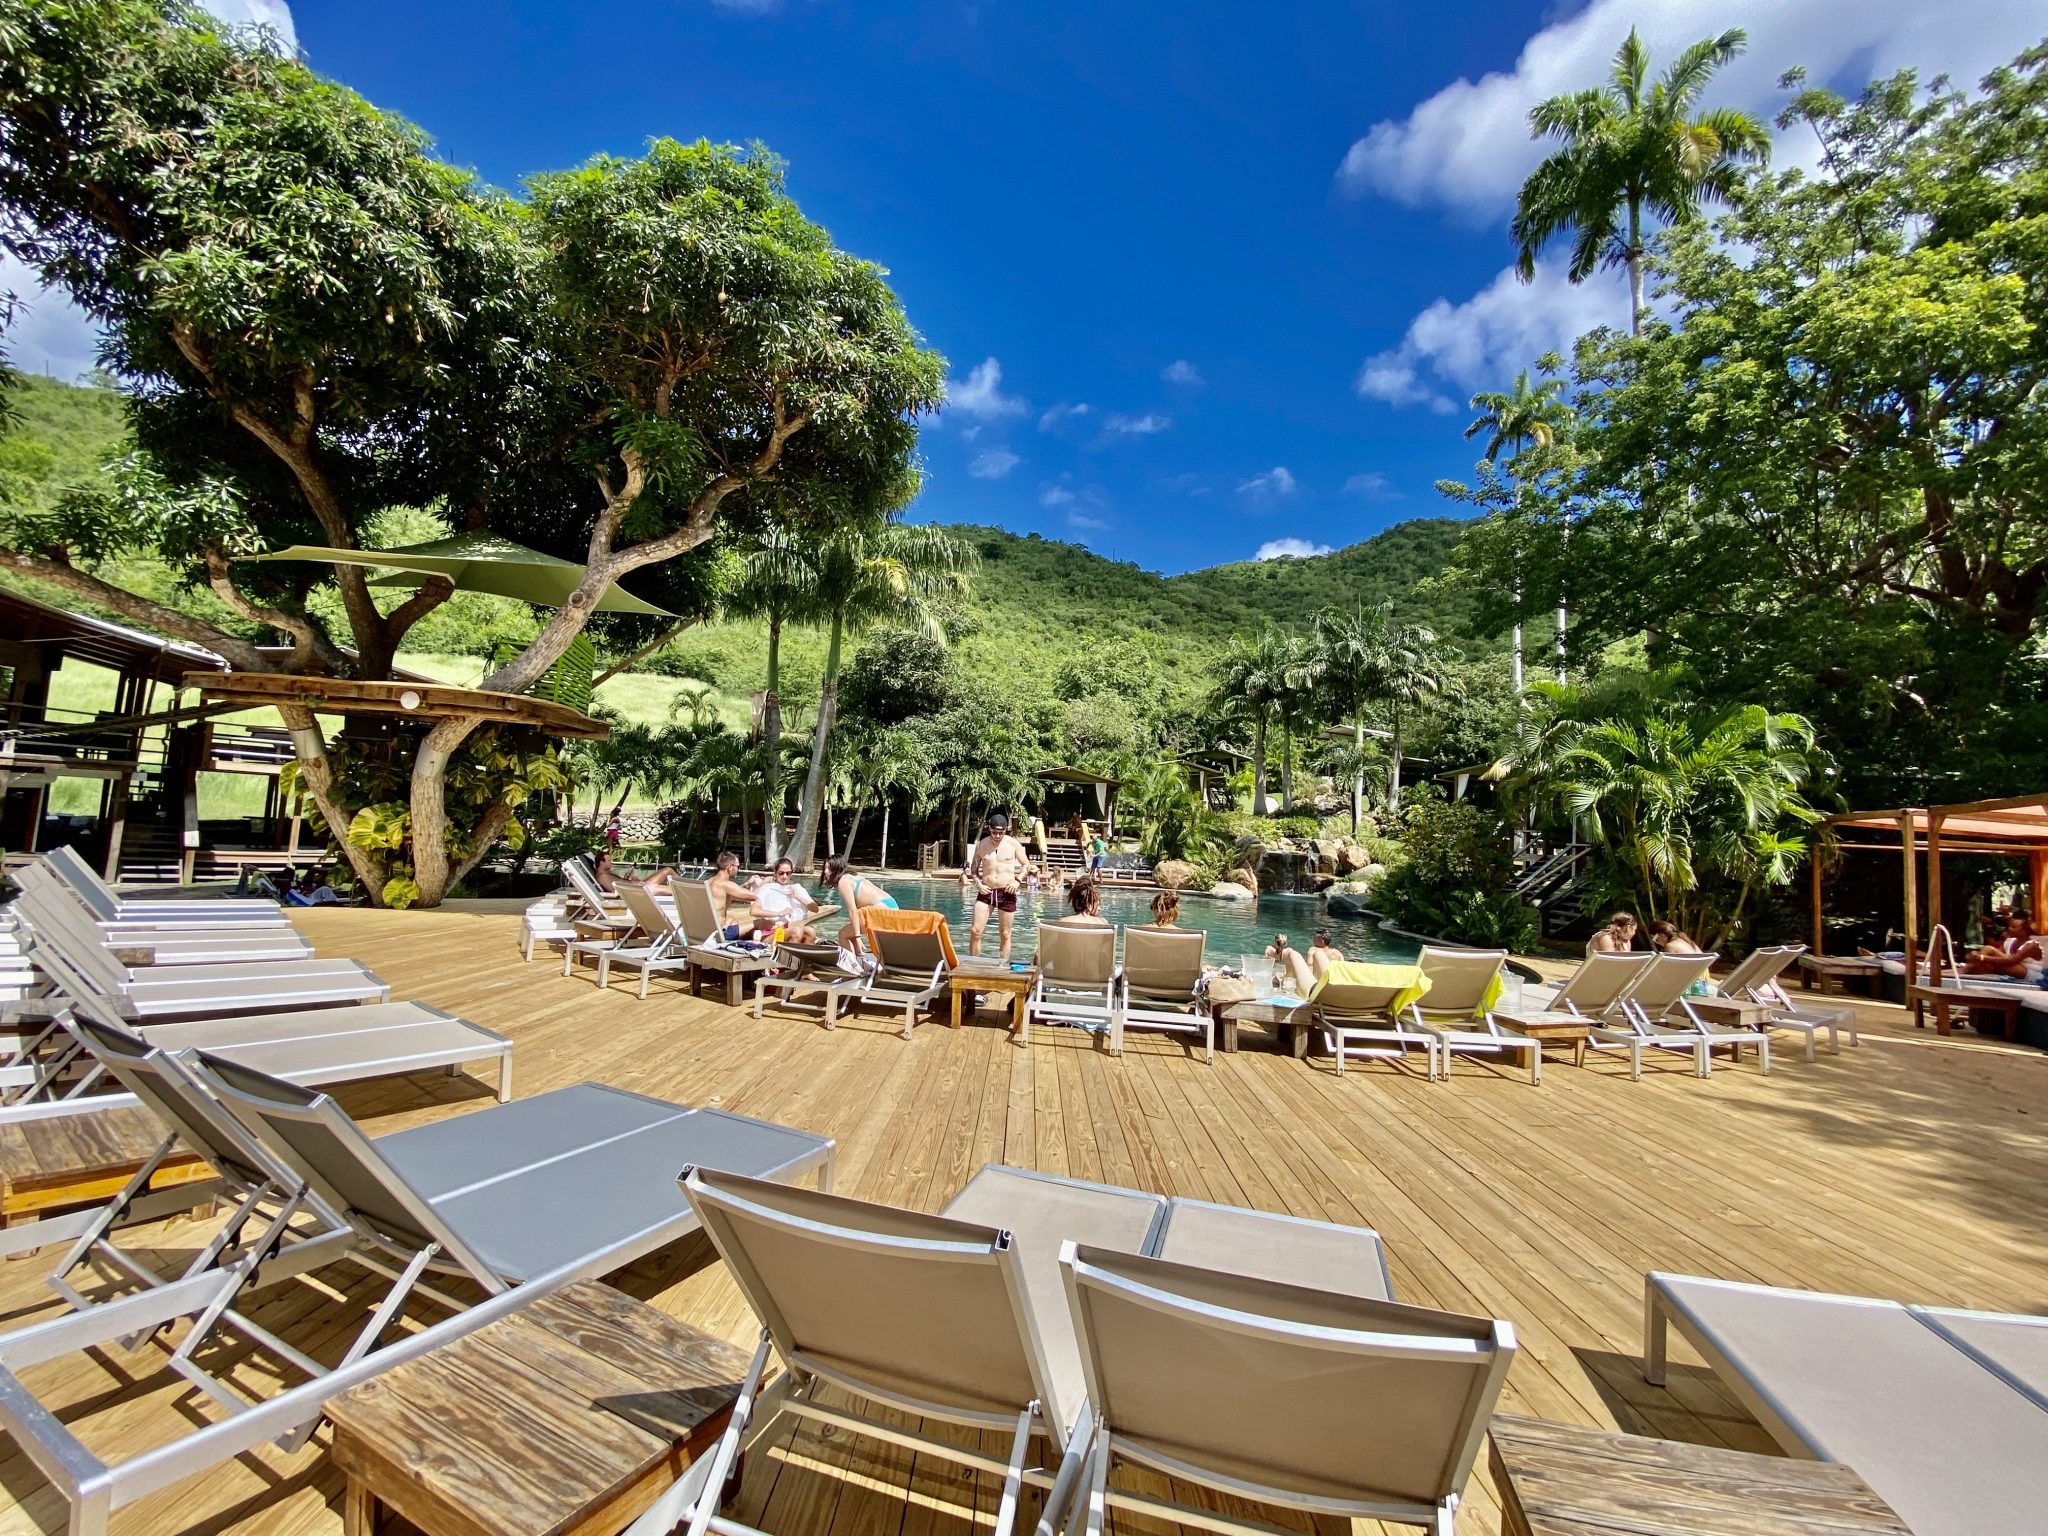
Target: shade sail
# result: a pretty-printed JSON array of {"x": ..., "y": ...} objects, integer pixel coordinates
[{"x": 475, "y": 562}]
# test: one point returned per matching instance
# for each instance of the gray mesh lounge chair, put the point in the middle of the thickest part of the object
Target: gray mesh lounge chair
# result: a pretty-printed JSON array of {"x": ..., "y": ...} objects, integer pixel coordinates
[
  {"x": 1292, "y": 1250},
  {"x": 1162, "y": 987},
  {"x": 1454, "y": 1008},
  {"x": 1944, "y": 1413},
  {"x": 1595, "y": 990},
  {"x": 1756, "y": 979},
  {"x": 801, "y": 970},
  {"x": 910, "y": 973},
  {"x": 666, "y": 940},
  {"x": 167, "y": 946},
  {"x": 158, "y": 912},
  {"x": 956, "y": 1317},
  {"x": 520, "y": 1199},
  {"x": 1334, "y": 1405},
  {"x": 1357, "y": 1019},
  {"x": 1078, "y": 980},
  {"x": 1637, "y": 1023}
]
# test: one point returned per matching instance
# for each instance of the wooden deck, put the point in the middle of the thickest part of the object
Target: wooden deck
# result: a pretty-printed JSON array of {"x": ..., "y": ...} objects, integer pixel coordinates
[{"x": 1914, "y": 1167}]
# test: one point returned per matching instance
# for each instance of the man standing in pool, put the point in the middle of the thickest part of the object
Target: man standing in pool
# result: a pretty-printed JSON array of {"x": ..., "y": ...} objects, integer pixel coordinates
[{"x": 996, "y": 867}]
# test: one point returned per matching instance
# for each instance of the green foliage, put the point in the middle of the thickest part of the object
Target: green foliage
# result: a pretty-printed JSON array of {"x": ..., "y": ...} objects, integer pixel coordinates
[{"x": 1454, "y": 877}]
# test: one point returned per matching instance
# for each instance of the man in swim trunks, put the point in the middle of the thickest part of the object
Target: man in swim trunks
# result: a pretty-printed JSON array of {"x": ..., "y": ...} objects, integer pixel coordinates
[
  {"x": 996, "y": 867},
  {"x": 725, "y": 890}
]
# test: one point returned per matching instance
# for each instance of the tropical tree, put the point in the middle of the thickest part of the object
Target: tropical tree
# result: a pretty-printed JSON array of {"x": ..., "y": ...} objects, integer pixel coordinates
[
  {"x": 1528, "y": 416},
  {"x": 1250, "y": 677},
  {"x": 893, "y": 573},
  {"x": 695, "y": 704},
  {"x": 1294, "y": 710},
  {"x": 1363, "y": 659},
  {"x": 779, "y": 585},
  {"x": 1630, "y": 149}
]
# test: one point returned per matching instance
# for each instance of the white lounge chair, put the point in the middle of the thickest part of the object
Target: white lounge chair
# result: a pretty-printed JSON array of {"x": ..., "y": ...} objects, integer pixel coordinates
[
  {"x": 665, "y": 938},
  {"x": 1078, "y": 979},
  {"x": 1454, "y": 1008},
  {"x": 1162, "y": 987},
  {"x": 1943, "y": 1412},
  {"x": 1595, "y": 990},
  {"x": 1331, "y": 1405},
  {"x": 1360, "y": 1019},
  {"x": 1638, "y": 1022},
  {"x": 910, "y": 973},
  {"x": 1756, "y": 979},
  {"x": 158, "y": 912},
  {"x": 165, "y": 946}
]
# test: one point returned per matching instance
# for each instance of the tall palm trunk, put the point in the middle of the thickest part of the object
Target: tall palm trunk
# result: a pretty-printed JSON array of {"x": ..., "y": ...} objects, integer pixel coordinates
[
  {"x": 805, "y": 842},
  {"x": 1286, "y": 766},
  {"x": 771, "y": 734},
  {"x": 1358, "y": 775},
  {"x": 1635, "y": 267},
  {"x": 853, "y": 826},
  {"x": 1259, "y": 806},
  {"x": 1394, "y": 770},
  {"x": 885, "y": 833}
]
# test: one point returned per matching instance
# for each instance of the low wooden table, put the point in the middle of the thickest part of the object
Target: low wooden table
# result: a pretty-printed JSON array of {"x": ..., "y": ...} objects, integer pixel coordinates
[
  {"x": 568, "y": 1418},
  {"x": 1290, "y": 1025},
  {"x": 976, "y": 975},
  {"x": 734, "y": 968},
  {"x": 1837, "y": 971},
  {"x": 1548, "y": 1032},
  {"x": 1970, "y": 1000},
  {"x": 1566, "y": 1480},
  {"x": 1733, "y": 1012}
]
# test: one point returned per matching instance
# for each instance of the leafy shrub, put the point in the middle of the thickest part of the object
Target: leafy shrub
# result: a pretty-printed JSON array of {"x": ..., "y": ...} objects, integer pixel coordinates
[
  {"x": 568, "y": 842},
  {"x": 1454, "y": 878}
]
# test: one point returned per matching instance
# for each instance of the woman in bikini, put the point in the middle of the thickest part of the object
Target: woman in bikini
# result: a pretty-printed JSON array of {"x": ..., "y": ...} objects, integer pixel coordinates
[{"x": 854, "y": 892}]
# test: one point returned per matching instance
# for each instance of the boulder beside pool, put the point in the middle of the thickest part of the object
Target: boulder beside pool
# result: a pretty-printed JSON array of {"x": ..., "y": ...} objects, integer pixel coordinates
[{"x": 1230, "y": 890}]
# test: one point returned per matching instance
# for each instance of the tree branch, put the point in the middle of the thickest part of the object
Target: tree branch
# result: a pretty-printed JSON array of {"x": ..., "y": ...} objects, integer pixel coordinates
[
  {"x": 646, "y": 650},
  {"x": 237, "y": 652},
  {"x": 433, "y": 592},
  {"x": 308, "y": 640}
]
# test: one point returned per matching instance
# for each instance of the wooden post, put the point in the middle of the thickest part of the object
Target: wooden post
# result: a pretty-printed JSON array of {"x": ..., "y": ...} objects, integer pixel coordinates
[
  {"x": 1912, "y": 915},
  {"x": 2039, "y": 882},
  {"x": 1934, "y": 907},
  {"x": 1816, "y": 883}
]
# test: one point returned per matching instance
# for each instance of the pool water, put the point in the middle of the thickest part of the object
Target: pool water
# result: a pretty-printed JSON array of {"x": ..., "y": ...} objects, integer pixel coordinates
[{"x": 1235, "y": 928}]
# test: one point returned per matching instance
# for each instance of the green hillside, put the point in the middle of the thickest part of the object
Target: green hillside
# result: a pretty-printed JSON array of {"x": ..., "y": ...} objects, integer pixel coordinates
[{"x": 1037, "y": 603}]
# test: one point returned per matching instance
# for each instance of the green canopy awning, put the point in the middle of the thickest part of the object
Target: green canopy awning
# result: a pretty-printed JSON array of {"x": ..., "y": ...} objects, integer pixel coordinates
[{"x": 475, "y": 562}]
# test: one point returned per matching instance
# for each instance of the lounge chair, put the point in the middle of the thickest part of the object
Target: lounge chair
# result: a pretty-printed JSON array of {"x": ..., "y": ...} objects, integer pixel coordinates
[
  {"x": 591, "y": 899},
  {"x": 1078, "y": 980},
  {"x": 1595, "y": 990},
  {"x": 800, "y": 969},
  {"x": 192, "y": 991},
  {"x": 164, "y": 946},
  {"x": 1944, "y": 1413},
  {"x": 100, "y": 899},
  {"x": 1756, "y": 979},
  {"x": 1264, "y": 1245},
  {"x": 47, "y": 901},
  {"x": 956, "y": 1317},
  {"x": 666, "y": 945},
  {"x": 1328, "y": 1404},
  {"x": 519, "y": 1199},
  {"x": 1458, "y": 1008},
  {"x": 545, "y": 922},
  {"x": 1638, "y": 1022},
  {"x": 1162, "y": 987},
  {"x": 913, "y": 954},
  {"x": 1358, "y": 1010}
]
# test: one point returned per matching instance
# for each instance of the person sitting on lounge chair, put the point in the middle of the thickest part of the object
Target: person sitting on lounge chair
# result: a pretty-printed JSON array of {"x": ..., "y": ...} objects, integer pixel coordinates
[
  {"x": 607, "y": 878},
  {"x": 780, "y": 903},
  {"x": 2010, "y": 955},
  {"x": 1617, "y": 938},
  {"x": 1085, "y": 897},
  {"x": 312, "y": 891},
  {"x": 1670, "y": 939},
  {"x": 725, "y": 890},
  {"x": 1322, "y": 954}
]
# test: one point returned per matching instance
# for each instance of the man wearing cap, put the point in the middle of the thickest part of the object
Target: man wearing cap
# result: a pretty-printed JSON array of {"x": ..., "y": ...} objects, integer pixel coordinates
[{"x": 997, "y": 868}]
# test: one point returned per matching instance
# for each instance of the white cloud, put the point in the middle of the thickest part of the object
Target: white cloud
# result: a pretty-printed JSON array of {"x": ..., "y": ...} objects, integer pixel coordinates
[
  {"x": 981, "y": 393},
  {"x": 1059, "y": 413},
  {"x": 1371, "y": 485},
  {"x": 1468, "y": 147},
  {"x": 274, "y": 14},
  {"x": 1087, "y": 522},
  {"x": 1271, "y": 486},
  {"x": 1181, "y": 371},
  {"x": 1117, "y": 424},
  {"x": 993, "y": 464},
  {"x": 48, "y": 333},
  {"x": 1290, "y": 549},
  {"x": 1451, "y": 350}
]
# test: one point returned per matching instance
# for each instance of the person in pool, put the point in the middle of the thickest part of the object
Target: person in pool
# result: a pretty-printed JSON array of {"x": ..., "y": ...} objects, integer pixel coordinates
[
  {"x": 854, "y": 892},
  {"x": 1322, "y": 954},
  {"x": 1282, "y": 953}
]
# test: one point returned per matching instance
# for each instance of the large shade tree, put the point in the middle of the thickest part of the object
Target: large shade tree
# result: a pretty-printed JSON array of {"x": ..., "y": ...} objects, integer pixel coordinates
[
  {"x": 317, "y": 319},
  {"x": 1630, "y": 151}
]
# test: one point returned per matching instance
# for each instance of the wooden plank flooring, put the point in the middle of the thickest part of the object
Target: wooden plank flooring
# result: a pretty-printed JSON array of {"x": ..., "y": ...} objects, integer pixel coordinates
[{"x": 1914, "y": 1167}]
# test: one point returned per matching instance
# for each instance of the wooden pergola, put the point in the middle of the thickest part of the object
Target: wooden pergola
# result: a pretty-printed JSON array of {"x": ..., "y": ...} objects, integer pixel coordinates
[{"x": 2016, "y": 827}]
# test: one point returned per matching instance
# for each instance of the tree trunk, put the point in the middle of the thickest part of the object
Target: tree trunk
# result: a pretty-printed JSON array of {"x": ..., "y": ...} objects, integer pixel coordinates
[
  {"x": 1394, "y": 775},
  {"x": 1358, "y": 777},
  {"x": 1565, "y": 538},
  {"x": 804, "y": 844},
  {"x": 431, "y": 870},
  {"x": 771, "y": 733},
  {"x": 885, "y": 834},
  {"x": 831, "y": 846},
  {"x": 1259, "y": 806},
  {"x": 316, "y": 777},
  {"x": 1286, "y": 767},
  {"x": 746, "y": 846},
  {"x": 1635, "y": 268},
  {"x": 853, "y": 829}
]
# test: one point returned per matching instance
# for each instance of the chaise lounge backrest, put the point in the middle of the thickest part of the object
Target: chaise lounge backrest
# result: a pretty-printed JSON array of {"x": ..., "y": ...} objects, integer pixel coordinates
[
  {"x": 1163, "y": 964},
  {"x": 1666, "y": 980},
  {"x": 1601, "y": 983},
  {"x": 1459, "y": 981},
  {"x": 1081, "y": 956},
  {"x": 696, "y": 914}
]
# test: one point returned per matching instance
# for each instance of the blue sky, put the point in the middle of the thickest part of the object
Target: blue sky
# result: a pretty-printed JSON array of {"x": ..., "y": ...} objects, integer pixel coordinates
[{"x": 1210, "y": 277}]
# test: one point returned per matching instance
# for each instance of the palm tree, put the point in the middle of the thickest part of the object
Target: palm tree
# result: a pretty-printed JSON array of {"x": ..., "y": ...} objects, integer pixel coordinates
[
  {"x": 895, "y": 572},
  {"x": 778, "y": 582},
  {"x": 1412, "y": 672},
  {"x": 1294, "y": 703},
  {"x": 695, "y": 704},
  {"x": 1251, "y": 677},
  {"x": 1631, "y": 148},
  {"x": 1342, "y": 666},
  {"x": 1527, "y": 416}
]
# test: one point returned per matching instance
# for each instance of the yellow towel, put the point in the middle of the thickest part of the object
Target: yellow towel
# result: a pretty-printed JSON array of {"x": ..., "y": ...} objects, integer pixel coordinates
[{"x": 1364, "y": 973}]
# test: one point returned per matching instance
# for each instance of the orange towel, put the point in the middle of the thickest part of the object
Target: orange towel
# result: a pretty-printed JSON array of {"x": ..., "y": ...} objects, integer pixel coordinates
[{"x": 906, "y": 920}]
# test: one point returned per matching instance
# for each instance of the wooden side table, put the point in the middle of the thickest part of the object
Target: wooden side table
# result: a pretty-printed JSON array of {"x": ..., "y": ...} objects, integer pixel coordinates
[
  {"x": 734, "y": 968},
  {"x": 566, "y": 1419},
  {"x": 1551, "y": 1031},
  {"x": 1567, "y": 1480},
  {"x": 1971, "y": 1000},
  {"x": 1835, "y": 972},
  {"x": 971, "y": 976},
  {"x": 1290, "y": 1025}
]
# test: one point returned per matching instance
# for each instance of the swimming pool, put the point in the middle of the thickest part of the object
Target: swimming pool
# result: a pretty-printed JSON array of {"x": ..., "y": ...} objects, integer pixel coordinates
[{"x": 1235, "y": 928}]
